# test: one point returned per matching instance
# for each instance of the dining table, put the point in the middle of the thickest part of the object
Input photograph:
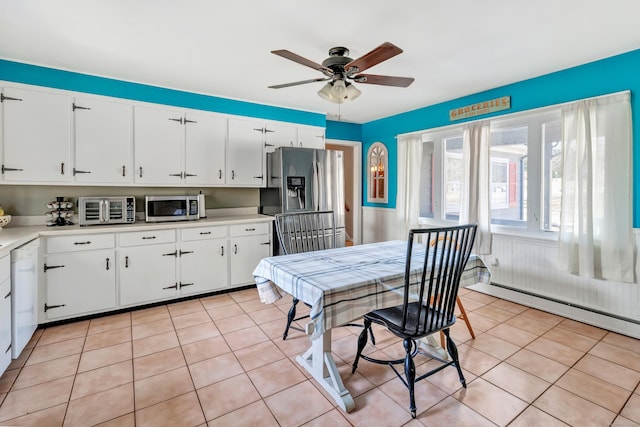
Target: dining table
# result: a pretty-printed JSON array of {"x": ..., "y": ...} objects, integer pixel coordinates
[{"x": 341, "y": 285}]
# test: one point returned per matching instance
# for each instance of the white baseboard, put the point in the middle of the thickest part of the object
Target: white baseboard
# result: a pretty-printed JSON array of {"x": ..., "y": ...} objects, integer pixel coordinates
[{"x": 610, "y": 323}]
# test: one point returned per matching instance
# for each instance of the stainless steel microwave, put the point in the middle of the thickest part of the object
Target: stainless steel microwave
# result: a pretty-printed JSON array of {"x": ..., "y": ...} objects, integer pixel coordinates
[
  {"x": 106, "y": 210},
  {"x": 171, "y": 208}
]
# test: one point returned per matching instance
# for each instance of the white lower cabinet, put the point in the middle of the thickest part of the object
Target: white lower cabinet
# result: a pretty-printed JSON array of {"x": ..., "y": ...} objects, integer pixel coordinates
[
  {"x": 79, "y": 275},
  {"x": 147, "y": 262},
  {"x": 248, "y": 243},
  {"x": 92, "y": 273},
  {"x": 5, "y": 313},
  {"x": 203, "y": 260}
]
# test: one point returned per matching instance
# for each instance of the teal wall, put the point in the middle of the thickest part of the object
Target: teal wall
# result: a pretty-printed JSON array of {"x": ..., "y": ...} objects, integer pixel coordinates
[
  {"x": 343, "y": 131},
  {"x": 49, "y": 77},
  {"x": 614, "y": 74}
]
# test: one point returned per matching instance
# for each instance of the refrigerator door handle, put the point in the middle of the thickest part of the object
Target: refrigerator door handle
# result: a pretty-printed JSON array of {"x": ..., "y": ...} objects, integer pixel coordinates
[{"x": 316, "y": 186}]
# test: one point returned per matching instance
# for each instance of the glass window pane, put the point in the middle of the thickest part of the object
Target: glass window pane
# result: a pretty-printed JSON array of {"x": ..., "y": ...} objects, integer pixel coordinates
[
  {"x": 551, "y": 176},
  {"x": 509, "y": 176},
  {"x": 453, "y": 172}
]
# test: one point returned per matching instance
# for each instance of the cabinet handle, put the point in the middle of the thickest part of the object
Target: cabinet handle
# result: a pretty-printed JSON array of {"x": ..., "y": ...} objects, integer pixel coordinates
[
  {"x": 184, "y": 252},
  {"x": 79, "y": 107},
  {"x": 124, "y": 170},
  {"x": 219, "y": 173},
  {"x": 265, "y": 243},
  {"x": 300, "y": 144},
  {"x": 222, "y": 250},
  {"x": 269, "y": 145},
  {"x": 233, "y": 174},
  {"x": 148, "y": 237},
  {"x": 190, "y": 174},
  {"x": 11, "y": 169},
  {"x": 182, "y": 285},
  {"x": 176, "y": 120},
  {"x": 140, "y": 171},
  {"x": 174, "y": 254},
  {"x": 62, "y": 168},
  {"x": 49, "y": 307},
  {"x": 259, "y": 129},
  {"x": 189, "y": 121},
  {"x": 126, "y": 262},
  {"x": 176, "y": 174},
  {"x": 204, "y": 233},
  {"x": 235, "y": 249},
  {"x": 7, "y": 295},
  {"x": 268, "y": 130},
  {"x": 258, "y": 177},
  {"x": 76, "y": 171},
  {"x": 8, "y": 348},
  {"x": 8, "y": 98},
  {"x": 249, "y": 229},
  {"x": 88, "y": 242},
  {"x": 171, "y": 287},
  {"x": 50, "y": 267},
  {"x": 107, "y": 264}
]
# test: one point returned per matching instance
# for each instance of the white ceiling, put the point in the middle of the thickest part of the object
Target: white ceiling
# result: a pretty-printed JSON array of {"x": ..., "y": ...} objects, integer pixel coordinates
[{"x": 222, "y": 48}]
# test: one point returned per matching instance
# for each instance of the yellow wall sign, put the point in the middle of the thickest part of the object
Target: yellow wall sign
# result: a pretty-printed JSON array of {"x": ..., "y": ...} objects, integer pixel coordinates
[{"x": 480, "y": 108}]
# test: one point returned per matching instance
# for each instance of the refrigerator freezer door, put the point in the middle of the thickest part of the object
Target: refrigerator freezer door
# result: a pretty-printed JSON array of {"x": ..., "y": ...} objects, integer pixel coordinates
[
  {"x": 329, "y": 176},
  {"x": 297, "y": 179}
]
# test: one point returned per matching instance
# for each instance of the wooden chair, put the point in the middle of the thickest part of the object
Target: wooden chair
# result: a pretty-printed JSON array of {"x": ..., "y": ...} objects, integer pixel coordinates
[
  {"x": 463, "y": 312},
  {"x": 429, "y": 298}
]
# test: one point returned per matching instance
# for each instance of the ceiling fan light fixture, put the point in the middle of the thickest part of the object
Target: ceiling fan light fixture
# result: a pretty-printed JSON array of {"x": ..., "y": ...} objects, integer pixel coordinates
[{"x": 329, "y": 92}]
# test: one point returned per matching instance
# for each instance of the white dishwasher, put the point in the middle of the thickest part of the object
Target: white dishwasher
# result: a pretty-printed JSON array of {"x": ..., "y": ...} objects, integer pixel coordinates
[{"x": 24, "y": 295}]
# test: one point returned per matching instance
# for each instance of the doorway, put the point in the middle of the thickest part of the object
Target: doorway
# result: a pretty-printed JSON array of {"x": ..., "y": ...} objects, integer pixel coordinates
[{"x": 352, "y": 154}]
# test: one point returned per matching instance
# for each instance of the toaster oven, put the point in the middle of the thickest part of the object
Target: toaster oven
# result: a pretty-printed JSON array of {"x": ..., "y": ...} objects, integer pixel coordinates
[{"x": 106, "y": 210}]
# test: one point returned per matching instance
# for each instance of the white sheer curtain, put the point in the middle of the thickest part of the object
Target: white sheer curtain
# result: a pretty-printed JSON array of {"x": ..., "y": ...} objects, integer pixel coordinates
[
  {"x": 474, "y": 194},
  {"x": 596, "y": 215},
  {"x": 408, "y": 187}
]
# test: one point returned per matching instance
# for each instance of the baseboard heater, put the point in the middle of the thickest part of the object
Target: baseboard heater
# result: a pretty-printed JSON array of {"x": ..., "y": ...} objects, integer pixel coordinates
[{"x": 589, "y": 315}]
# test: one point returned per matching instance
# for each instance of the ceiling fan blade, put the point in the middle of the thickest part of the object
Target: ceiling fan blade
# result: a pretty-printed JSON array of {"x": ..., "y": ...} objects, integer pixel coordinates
[
  {"x": 381, "y": 53},
  {"x": 302, "y": 82},
  {"x": 303, "y": 61},
  {"x": 374, "y": 79}
]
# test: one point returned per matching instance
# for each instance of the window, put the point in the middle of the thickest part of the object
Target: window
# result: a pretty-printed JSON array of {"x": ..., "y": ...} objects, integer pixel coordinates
[
  {"x": 525, "y": 171},
  {"x": 377, "y": 160}
]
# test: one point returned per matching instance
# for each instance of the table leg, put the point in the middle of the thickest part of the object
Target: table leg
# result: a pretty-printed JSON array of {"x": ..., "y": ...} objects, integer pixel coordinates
[{"x": 318, "y": 361}]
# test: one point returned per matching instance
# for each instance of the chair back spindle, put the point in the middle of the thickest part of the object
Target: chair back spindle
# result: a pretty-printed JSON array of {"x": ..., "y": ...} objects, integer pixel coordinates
[{"x": 306, "y": 231}]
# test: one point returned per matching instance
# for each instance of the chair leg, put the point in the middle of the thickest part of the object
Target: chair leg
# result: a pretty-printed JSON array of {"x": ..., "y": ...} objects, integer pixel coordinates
[
  {"x": 453, "y": 352},
  {"x": 410, "y": 374},
  {"x": 362, "y": 341},
  {"x": 463, "y": 316},
  {"x": 290, "y": 316}
]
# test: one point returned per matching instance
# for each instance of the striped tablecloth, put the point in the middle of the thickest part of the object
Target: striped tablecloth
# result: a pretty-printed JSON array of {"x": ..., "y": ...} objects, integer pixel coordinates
[{"x": 343, "y": 284}]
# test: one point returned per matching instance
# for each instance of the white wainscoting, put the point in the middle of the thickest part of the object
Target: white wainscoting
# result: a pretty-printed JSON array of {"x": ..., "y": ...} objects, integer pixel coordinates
[{"x": 524, "y": 271}]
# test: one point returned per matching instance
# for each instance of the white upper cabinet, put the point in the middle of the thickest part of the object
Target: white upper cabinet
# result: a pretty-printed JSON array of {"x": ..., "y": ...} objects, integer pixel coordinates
[
  {"x": 310, "y": 137},
  {"x": 102, "y": 141},
  {"x": 205, "y": 157},
  {"x": 278, "y": 135},
  {"x": 36, "y": 136},
  {"x": 174, "y": 147},
  {"x": 245, "y": 158},
  {"x": 158, "y": 135}
]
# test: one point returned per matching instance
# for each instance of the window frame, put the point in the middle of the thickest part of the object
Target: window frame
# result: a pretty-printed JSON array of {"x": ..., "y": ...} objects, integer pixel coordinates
[{"x": 382, "y": 152}]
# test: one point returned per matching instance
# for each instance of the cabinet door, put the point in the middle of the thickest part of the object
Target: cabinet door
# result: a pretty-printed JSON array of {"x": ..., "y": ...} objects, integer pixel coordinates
[
  {"x": 245, "y": 154},
  {"x": 5, "y": 325},
  {"x": 246, "y": 253},
  {"x": 37, "y": 136},
  {"x": 205, "y": 156},
  {"x": 203, "y": 266},
  {"x": 147, "y": 273},
  {"x": 310, "y": 137},
  {"x": 158, "y": 142},
  {"x": 102, "y": 141},
  {"x": 279, "y": 135},
  {"x": 79, "y": 283}
]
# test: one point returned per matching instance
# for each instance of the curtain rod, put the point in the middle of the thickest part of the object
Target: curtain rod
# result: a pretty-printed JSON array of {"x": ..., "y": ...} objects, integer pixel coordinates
[{"x": 501, "y": 116}]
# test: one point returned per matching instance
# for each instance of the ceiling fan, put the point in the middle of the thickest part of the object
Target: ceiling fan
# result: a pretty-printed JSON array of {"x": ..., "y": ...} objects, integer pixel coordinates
[{"x": 338, "y": 68}]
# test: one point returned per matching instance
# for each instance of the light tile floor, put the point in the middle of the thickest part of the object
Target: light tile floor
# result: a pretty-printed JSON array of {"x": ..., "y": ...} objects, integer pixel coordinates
[{"x": 221, "y": 361}]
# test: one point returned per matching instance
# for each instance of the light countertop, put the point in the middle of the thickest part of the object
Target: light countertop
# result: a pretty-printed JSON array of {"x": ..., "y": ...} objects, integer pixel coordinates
[{"x": 14, "y": 236}]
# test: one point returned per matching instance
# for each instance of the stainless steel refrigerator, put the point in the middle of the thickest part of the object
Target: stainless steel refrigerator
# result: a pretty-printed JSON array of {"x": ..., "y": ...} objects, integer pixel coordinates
[{"x": 305, "y": 179}]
